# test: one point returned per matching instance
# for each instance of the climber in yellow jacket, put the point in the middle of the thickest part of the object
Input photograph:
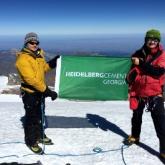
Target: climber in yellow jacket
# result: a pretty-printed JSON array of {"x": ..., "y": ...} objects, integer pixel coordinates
[
  {"x": 32, "y": 66},
  {"x": 32, "y": 69}
]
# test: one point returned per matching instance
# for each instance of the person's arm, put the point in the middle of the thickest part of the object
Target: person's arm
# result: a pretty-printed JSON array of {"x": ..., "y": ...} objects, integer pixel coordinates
[
  {"x": 45, "y": 64},
  {"x": 148, "y": 68},
  {"x": 53, "y": 62},
  {"x": 50, "y": 93},
  {"x": 152, "y": 70}
]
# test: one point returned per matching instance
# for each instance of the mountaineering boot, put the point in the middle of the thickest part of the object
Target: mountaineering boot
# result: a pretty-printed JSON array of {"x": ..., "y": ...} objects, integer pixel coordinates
[
  {"x": 36, "y": 149},
  {"x": 131, "y": 140},
  {"x": 162, "y": 157},
  {"x": 46, "y": 141}
]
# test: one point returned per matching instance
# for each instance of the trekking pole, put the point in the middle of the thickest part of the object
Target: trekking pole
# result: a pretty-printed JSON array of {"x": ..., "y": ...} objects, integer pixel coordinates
[{"x": 42, "y": 122}]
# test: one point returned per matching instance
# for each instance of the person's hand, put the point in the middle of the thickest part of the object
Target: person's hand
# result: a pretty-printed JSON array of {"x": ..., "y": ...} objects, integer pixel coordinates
[
  {"x": 50, "y": 93},
  {"x": 53, "y": 95},
  {"x": 56, "y": 57},
  {"x": 135, "y": 60},
  {"x": 53, "y": 62}
]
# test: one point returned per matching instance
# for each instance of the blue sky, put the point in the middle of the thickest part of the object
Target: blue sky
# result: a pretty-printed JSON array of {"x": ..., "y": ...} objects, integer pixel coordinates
[{"x": 81, "y": 16}]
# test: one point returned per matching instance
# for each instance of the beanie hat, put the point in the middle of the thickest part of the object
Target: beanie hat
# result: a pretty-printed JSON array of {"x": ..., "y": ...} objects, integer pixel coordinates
[
  {"x": 31, "y": 37},
  {"x": 153, "y": 33}
]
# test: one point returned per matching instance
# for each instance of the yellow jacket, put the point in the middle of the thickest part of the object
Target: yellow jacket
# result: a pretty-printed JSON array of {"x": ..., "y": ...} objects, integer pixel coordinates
[{"x": 32, "y": 69}]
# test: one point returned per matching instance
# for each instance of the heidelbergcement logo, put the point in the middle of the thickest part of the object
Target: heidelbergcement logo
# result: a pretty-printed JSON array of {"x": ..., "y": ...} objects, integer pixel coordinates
[{"x": 109, "y": 78}]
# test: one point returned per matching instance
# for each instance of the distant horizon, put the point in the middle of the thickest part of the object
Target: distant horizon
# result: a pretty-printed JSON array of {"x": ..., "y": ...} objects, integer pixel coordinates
[{"x": 106, "y": 43}]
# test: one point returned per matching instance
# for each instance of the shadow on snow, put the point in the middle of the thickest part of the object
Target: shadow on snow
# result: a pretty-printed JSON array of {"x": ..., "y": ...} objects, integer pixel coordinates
[{"x": 91, "y": 121}]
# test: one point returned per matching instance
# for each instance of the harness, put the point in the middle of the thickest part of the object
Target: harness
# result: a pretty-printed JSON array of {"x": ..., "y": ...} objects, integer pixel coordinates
[{"x": 28, "y": 86}]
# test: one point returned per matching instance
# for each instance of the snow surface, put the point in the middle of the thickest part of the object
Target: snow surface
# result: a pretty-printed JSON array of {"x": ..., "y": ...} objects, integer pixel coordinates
[
  {"x": 3, "y": 82},
  {"x": 75, "y": 145}
]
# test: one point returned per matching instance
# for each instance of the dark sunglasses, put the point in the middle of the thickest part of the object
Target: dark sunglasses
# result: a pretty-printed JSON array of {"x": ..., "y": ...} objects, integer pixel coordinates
[
  {"x": 34, "y": 43},
  {"x": 152, "y": 39}
]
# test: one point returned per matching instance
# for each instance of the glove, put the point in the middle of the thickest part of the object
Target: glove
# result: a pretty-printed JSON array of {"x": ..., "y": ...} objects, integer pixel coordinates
[
  {"x": 50, "y": 93},
  {"x": 133, "y": 102},
  {"x": 53, "y": 62}
]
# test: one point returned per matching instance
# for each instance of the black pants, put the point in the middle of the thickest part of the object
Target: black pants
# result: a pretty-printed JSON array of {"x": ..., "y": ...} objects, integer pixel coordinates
[
  {"x": 156, "y": 107},
  {"x": 34, "y": 105}
]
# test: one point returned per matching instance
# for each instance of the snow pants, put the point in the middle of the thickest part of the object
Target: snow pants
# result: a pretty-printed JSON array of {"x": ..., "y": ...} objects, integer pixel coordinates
[
  {"x": 156, "y": 106},
  {"x": 34, "y": 105}
]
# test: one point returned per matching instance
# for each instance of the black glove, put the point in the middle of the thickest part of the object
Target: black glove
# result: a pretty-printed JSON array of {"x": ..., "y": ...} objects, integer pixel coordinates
[
  {"x": 49, "y": 93},
  {"x": 53, "y": 62}
]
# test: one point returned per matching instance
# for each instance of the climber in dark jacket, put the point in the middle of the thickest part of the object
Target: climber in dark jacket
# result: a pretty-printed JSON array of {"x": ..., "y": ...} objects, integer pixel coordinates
[{"x": 146, "y": 79}]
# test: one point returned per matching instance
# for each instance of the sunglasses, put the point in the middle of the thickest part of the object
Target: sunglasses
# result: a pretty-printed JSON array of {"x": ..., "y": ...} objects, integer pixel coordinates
[
  {"x": 152, "y": 40},
  {"x": 34, "y": 43}
]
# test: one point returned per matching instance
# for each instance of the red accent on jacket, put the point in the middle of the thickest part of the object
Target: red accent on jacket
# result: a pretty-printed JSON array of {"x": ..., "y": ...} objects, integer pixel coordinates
[{"x": 146, "y": 85}]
